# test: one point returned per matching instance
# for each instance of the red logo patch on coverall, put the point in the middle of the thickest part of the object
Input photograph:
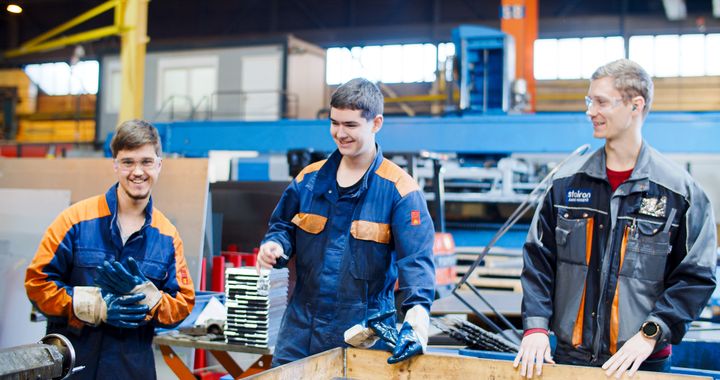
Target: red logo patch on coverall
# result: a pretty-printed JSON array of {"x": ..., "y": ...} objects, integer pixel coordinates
[
  {"x": 415, "y": 218},
  {"x": 183, "y": 276}
]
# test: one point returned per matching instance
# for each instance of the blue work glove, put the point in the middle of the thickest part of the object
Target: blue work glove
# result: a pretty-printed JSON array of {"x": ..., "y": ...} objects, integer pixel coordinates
[
  {"x": 408, "y": 345},
  {"x": 387, "y": 333},
  {"x": 124, "y": 310},
  {"x": 94, "y": 306},
  {"x": 365, "y": 335},
  {"x": 116, "y": 278}
]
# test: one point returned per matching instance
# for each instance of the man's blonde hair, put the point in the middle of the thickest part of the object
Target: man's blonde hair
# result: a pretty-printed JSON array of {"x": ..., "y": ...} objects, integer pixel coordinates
[{"x": 630, "y": 79}]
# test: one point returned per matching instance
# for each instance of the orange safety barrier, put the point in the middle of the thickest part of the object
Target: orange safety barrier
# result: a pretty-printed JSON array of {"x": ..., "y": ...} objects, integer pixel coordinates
[{"x": 445, "y": 259}]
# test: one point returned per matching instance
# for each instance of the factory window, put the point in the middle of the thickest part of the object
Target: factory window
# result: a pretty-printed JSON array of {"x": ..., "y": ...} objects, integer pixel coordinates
[
  {"x": 574, "y": 58},
  {"x": 186, "y": 83},
  {"x": 114, "y": 86},
  {"x": 59, "y": 78},
  {"x": 388, "y": 63},
  {"x": 712, "y": 54},
  {"x": 676, "y": 55}
]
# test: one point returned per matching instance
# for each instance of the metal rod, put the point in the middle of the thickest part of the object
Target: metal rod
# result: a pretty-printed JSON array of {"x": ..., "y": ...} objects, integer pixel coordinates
[
  {"x": 482, "y": 316},
  {"x": 492, "y": 308}
]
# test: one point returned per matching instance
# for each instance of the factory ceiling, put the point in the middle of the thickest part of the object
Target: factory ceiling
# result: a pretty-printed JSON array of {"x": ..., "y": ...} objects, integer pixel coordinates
[{"x": 351, "y": 22}]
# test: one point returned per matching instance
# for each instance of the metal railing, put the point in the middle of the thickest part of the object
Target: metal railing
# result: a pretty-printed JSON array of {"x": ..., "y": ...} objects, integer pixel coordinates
[
  {"x": 287, "y": 105},
  {"x": 170, "y": 102},
  {"x": 284, "y": 106}
]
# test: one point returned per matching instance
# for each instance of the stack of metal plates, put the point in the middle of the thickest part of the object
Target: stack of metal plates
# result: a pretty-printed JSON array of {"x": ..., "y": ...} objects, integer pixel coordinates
[{"x": 254, "y": 312}]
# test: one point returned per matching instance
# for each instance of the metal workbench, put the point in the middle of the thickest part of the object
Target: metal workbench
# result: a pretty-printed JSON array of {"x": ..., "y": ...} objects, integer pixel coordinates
[{"x": 219, "y": 349}]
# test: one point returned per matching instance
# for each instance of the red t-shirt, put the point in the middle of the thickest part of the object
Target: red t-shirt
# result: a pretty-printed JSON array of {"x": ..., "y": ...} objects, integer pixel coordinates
[{"x": 617, "y": 178}]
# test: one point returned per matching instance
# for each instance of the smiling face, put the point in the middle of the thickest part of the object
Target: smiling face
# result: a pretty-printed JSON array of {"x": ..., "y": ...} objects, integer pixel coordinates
[
  {"x": 611, "y": 116},
  {"x": 137, "y": 171},
  {"x": 353, "y": 134}
]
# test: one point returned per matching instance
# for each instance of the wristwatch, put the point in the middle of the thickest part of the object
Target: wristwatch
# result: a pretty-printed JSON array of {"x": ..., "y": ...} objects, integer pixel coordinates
[{"x": 650, "y": 330}]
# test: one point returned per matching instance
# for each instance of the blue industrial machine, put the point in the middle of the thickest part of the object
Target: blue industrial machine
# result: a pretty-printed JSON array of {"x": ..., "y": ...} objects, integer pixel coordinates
[
  {"x": 670, "y": 132},
  {"x": 465, "y": 137},
  {"x": 486, "y": 60}
]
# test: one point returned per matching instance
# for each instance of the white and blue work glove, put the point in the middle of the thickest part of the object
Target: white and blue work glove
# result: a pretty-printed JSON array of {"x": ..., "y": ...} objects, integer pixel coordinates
[
  {"x": 410, "y": 341},
  {"x": 93, "y": 306},
  {"x": 367, "y": 334},
  {"x": 115, "y": 278},
  {"x": 413, "y": 335}
]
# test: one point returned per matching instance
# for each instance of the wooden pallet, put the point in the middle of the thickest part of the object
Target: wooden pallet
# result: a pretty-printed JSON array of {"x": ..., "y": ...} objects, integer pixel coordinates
[
  {"x": 511, "y": 284},
  {"x": 352, "y": 363},
  {"x": 499, "y": 272}
]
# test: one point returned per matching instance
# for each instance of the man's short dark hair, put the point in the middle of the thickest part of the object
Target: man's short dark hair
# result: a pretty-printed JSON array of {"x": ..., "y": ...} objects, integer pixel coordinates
[
  {"x": 359, "y": 94},
  {"x": 134, "y": 134}
]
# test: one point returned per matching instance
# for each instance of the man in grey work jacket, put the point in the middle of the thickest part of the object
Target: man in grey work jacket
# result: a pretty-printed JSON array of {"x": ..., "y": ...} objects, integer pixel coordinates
[
  {"x": 354, "y": 222},
  {"x": 620, "y": 257}
]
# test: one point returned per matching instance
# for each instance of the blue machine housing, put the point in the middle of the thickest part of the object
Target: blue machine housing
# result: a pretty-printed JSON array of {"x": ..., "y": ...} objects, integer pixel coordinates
[
  {"x": 486, "y": 60},
  {"x": 670, "y": 132}
]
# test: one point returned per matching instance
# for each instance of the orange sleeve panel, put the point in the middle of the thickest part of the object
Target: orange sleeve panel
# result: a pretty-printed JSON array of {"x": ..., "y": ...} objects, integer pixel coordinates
[
  {"x": 404, "y": 183},
  {"x": 173, "y": 309},
  {"x": 615, "y": 308},
  {"x": 45, "y": 276},
  {"x": 315, "y": 166}
]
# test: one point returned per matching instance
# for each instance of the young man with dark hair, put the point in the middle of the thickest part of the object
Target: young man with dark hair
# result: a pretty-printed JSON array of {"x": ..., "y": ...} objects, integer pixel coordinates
[
  {"x": 353, "y": 222},
  {"x": 110, "y": 268},
  {"x": 620, "y": 257}
]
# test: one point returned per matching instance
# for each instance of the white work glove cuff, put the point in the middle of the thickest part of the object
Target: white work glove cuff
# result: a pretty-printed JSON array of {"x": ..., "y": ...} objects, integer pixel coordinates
[
  {"x": 152, "y": 294},
  {"x": 88, "y": 304},
  {"x": 419, "y": 319},
  {"x": 359, "y": 336}
]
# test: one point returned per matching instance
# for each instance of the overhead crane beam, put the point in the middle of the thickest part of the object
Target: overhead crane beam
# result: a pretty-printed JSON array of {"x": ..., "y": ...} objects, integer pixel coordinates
[{"x": 130, "y": 23}]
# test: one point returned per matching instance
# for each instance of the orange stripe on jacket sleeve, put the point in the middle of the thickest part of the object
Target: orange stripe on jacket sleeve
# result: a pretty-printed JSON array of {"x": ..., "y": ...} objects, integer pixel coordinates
[
  {"x": 578, "y": 328},
  {"x": 171, "y": 310},
  {"x": 615, "y": 310},
  {"x": 46, "y": 294}
]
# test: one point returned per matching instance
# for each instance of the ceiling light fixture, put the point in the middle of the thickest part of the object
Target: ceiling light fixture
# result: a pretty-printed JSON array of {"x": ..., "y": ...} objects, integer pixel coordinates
[{"x": 14, "y": 8}]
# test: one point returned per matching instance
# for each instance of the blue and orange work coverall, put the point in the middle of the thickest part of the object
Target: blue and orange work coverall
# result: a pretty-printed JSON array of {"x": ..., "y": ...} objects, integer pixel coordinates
[
  {"x": 75, "y": 244},
  {"x": 349, "y": 252}
]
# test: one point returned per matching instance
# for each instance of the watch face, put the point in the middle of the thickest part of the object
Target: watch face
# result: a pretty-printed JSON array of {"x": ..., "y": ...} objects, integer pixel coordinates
[{"x": 650, "y": 329}]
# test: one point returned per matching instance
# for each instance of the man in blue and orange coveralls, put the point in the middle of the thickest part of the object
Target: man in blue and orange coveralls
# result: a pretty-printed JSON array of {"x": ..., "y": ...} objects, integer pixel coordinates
[
  {"x": 110, "y": 268},
  {"x": 355, "y": 223}
]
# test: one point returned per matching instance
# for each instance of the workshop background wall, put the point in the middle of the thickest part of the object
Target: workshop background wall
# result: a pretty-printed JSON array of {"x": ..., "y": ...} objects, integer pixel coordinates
[{"x": 181, "y": 192}]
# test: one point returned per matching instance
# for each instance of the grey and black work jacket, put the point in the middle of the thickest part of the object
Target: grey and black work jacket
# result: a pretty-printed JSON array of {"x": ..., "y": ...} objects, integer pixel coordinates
[{"x": 598, "y": 263}]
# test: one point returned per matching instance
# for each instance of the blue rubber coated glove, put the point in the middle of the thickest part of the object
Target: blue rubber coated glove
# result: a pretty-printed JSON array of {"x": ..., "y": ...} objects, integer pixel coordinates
[
  {"x": 127, "y": 279},
  {"x": 408, "y": 345},
  {"x": 114, "y": 278},
  {"x": 387, "y": 333},
  {"x": 124, "y": 310}
]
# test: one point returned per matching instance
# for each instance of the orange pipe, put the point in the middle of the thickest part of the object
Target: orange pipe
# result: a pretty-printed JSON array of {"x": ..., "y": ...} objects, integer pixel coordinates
[{"x": 519, "y": 18}]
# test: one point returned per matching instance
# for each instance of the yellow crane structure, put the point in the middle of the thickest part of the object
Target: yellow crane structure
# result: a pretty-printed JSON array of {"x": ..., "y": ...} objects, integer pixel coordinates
[{"x": 130, "y": 23}]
